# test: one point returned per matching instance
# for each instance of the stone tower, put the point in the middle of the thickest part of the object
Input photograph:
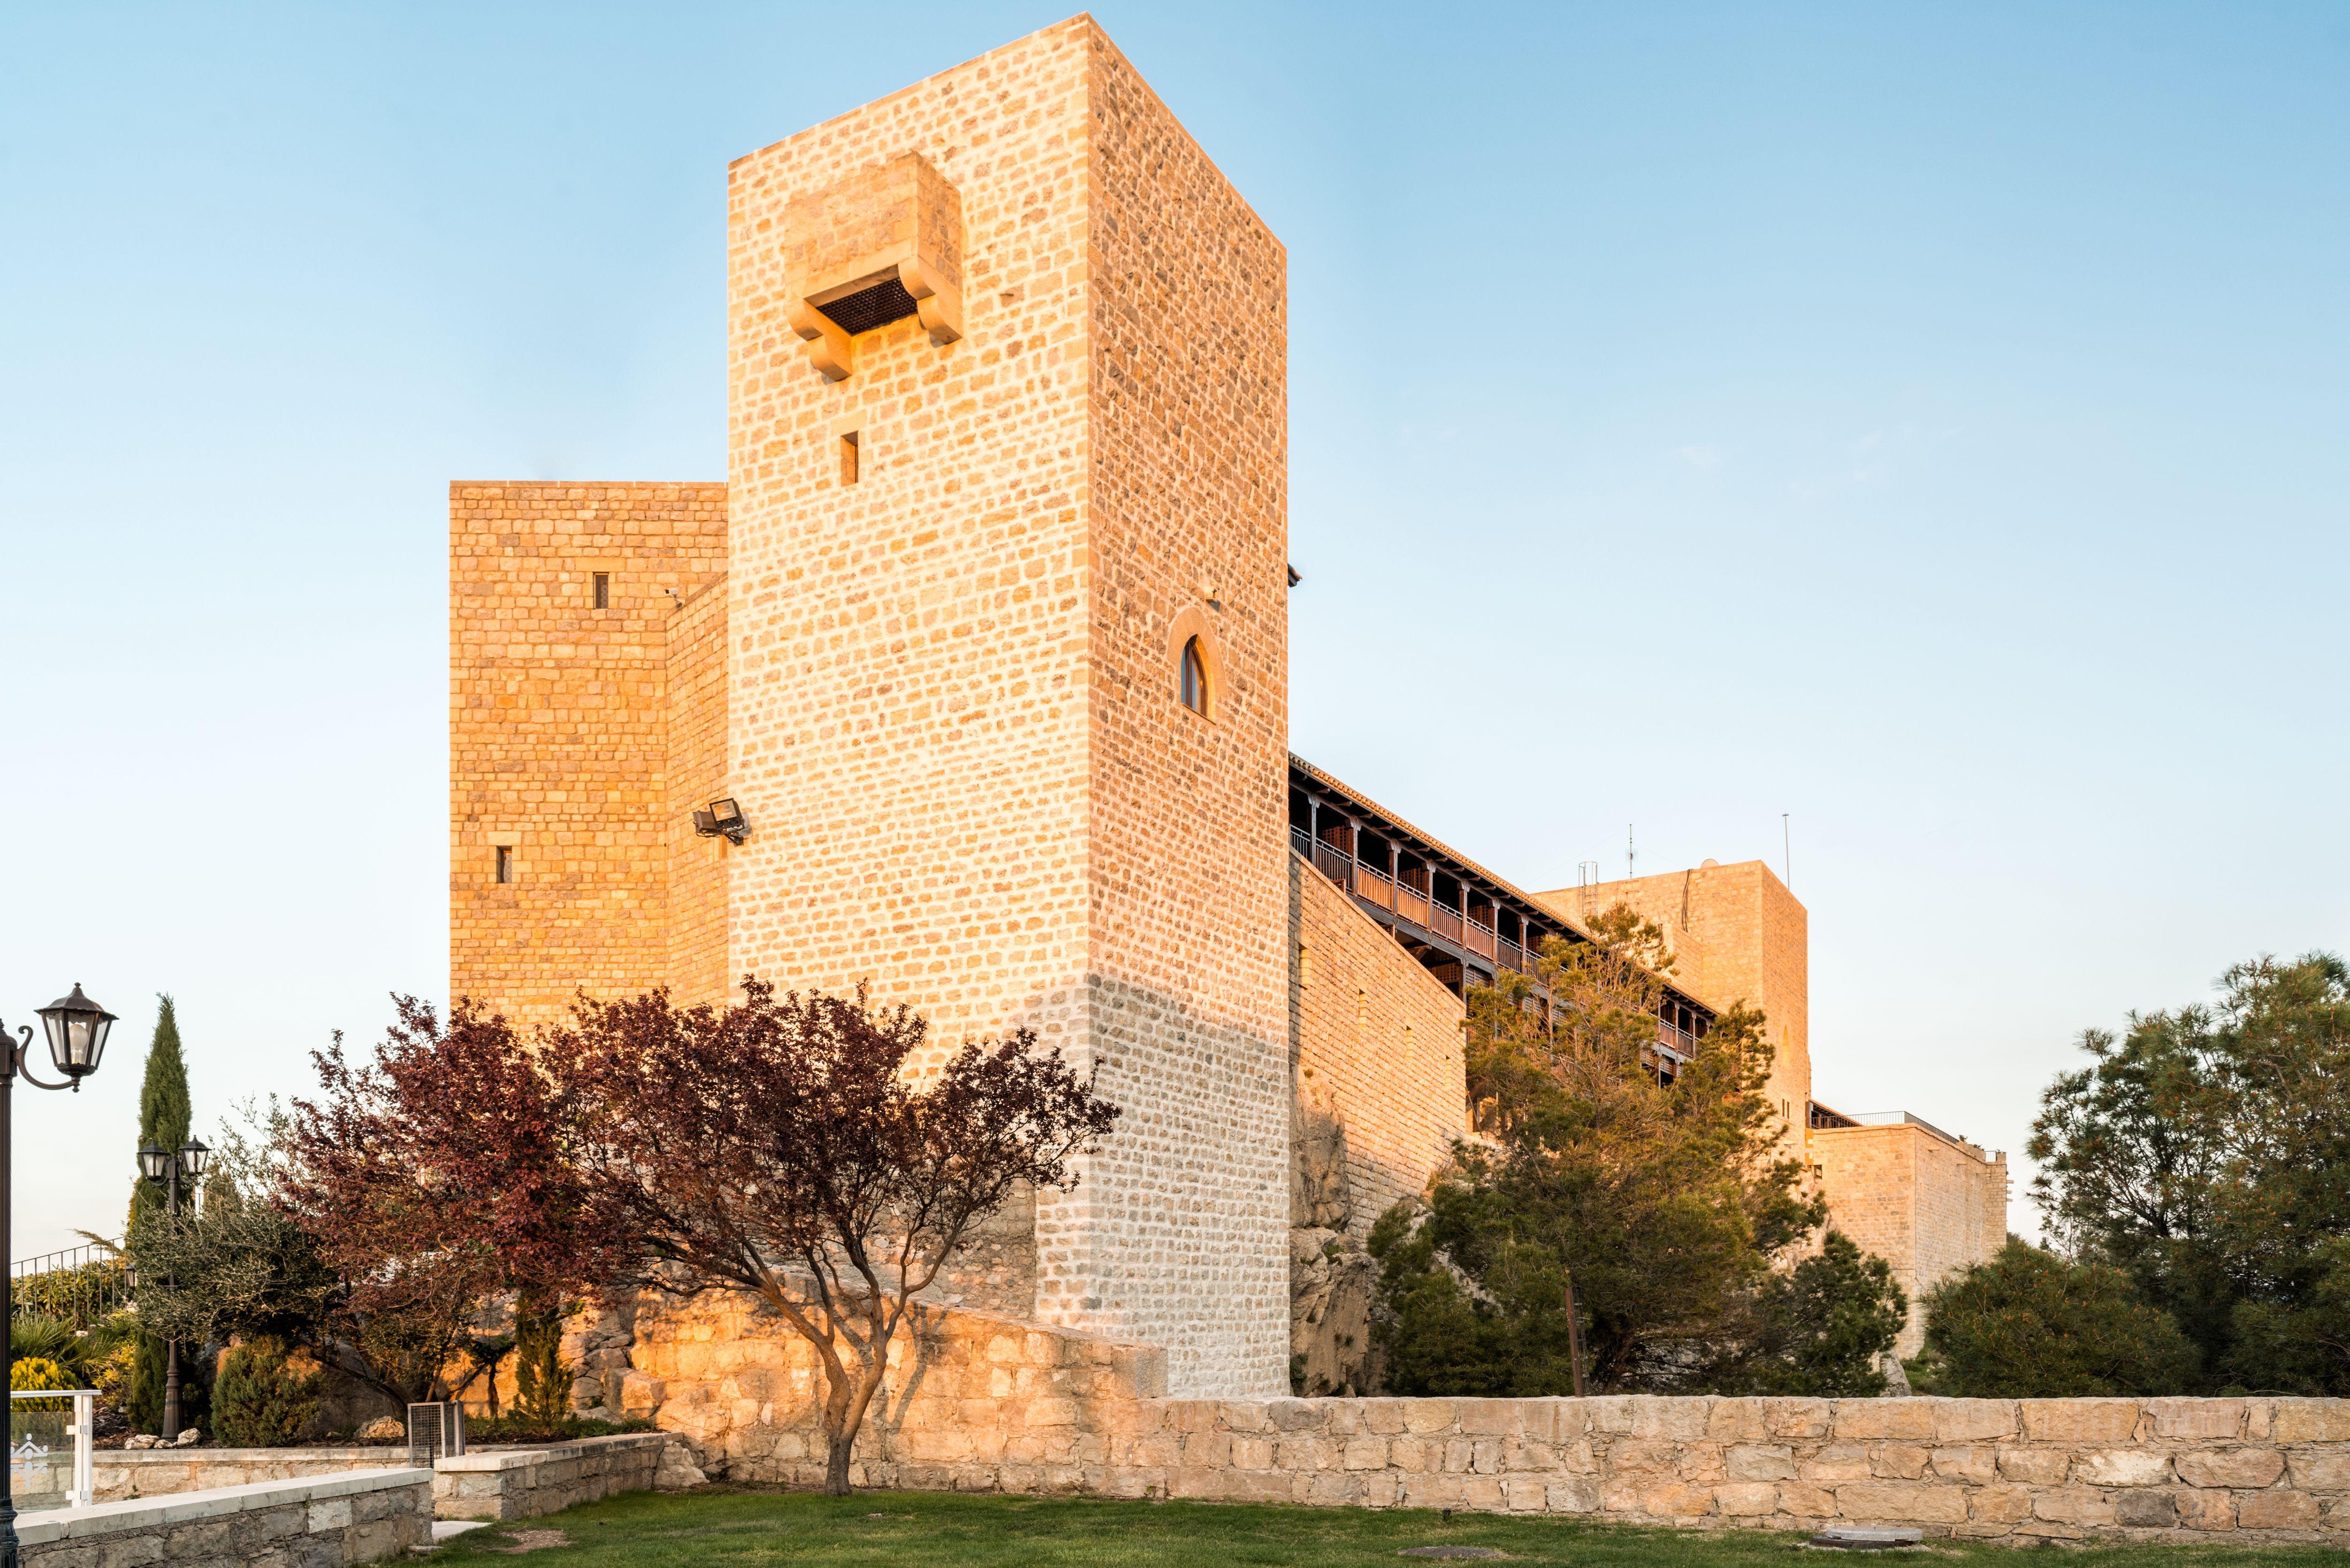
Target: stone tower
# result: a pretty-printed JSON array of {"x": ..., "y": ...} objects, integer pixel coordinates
[
  {"x": 1007, "y": 436},
  {"x": 1008, "y": 429}
]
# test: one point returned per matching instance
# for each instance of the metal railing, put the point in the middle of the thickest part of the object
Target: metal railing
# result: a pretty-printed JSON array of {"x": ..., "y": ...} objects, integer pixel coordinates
[{"x": 80, "y": 1285}]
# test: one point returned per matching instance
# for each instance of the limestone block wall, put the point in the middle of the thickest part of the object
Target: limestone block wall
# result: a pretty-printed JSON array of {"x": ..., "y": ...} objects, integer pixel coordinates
[
  {"x": 1738, "y": 935},
  {"x": 698, "y": 969},
  {"x": 1378, "y": 1095},
  {"x": 1927, "y": 1203},
  {"x": 982, "y": 1402},
  {"x": 557, "y": 730},
  {"x": 1376, "y": 1047},
  {"x": 953, "y": 711},
  {"x": 119, "y": 1475},
  {"x": 365, "y": 1516},
  {"x": 525, "y": 1483},
  {"x": 968, "y": 1393}
]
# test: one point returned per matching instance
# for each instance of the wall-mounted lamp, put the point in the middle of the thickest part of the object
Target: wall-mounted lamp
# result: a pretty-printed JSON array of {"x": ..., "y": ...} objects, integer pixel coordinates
[{"x": 723, "y": 819}]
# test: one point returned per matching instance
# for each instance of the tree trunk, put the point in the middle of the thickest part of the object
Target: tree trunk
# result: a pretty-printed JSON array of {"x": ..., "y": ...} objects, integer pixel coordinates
[{"x": 836, "y": 1464}]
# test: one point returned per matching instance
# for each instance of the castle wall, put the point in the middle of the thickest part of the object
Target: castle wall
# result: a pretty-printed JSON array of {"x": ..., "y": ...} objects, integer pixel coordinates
[
  {"x": 1376, "y": 1043},
  {"x": 1378, "y": 1094},
  {"x": 980, "y": 1404},
  {"x": 1925, "y": 1204},
  {"x": 1186, "y": 1217},
  {"x": 557, "y": 731},
  {"x": 698, "y": 971},
  {"x": 955, "y": 728},
  {"x": 1738, "y": 935}
]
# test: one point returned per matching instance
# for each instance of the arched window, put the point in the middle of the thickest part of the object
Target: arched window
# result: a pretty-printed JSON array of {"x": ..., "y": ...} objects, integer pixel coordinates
[{"x": 1195, "y": 677}]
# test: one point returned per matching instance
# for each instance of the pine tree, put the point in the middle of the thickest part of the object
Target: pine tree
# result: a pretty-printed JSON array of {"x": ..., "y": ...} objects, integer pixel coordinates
[{"x": 165, "y": 1115}]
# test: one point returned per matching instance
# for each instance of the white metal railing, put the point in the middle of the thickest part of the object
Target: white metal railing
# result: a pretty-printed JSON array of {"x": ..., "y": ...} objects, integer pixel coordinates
[{"x": 35, "y": 1466}]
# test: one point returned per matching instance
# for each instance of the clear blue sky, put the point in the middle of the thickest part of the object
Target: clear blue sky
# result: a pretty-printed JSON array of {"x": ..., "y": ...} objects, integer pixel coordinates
[{"x": 1926, "y": 422}]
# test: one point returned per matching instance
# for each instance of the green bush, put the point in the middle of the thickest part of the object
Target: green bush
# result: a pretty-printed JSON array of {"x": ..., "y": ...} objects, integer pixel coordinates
[
  {"x": 529, "y": 1429},
  {"x": 47, "y": 1339},
  {"x": 1821, "y": 1326},
  {"x": 39, "y": 1372},
  {"x": 542, "y": 1378},
  {"x": 2030, "y": 1325},
  {"x": 260, "y": 1400}
]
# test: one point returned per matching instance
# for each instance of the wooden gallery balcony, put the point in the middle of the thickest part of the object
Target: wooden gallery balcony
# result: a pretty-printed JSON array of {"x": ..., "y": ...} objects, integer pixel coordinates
[{"x": 1461, "y": 921}]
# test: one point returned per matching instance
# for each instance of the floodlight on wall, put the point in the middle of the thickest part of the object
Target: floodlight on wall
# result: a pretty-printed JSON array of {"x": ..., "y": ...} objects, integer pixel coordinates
[{"x": 722, "y": 819}]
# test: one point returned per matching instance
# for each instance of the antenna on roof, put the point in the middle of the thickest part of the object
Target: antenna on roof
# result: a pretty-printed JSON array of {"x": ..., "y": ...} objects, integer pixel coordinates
[
  {"x": 1627, "y": 851},
  {"x": 1786, "y": 854}
]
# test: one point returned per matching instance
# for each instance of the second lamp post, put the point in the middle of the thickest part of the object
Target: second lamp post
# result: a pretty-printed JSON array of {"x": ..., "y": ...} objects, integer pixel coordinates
[{"x": 162, "y": 1165}]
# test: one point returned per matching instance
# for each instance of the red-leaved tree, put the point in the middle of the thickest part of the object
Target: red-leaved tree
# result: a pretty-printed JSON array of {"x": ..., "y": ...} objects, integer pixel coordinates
[
  {"x": 778, "y": 1147},
  {"x": 440, "y": 1176}
]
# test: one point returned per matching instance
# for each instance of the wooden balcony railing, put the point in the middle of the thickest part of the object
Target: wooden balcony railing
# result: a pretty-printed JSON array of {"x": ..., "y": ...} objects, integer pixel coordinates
[{"x": 1481, "y": 937}]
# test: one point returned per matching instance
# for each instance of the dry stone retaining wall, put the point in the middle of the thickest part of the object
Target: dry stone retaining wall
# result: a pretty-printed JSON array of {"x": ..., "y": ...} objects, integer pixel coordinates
[{"x": 980, "y": 1403}]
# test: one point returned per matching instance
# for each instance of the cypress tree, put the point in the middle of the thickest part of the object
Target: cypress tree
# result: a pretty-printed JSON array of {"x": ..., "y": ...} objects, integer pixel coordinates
[
  {"x": 165, "y": 1118},
  {"x": 165, "y": 1115}
]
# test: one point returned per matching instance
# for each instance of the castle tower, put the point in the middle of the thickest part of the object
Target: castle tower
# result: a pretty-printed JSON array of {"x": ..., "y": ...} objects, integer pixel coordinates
[{"x": 1007, "y": 444}]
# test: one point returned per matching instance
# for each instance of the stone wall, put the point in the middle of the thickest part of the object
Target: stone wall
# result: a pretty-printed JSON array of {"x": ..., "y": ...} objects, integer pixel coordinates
[
  {"x": 1379, "y": 1096},
  {"x": 974, "y": 1399},
  {"x": 955, "y": 720},
  {"x": 488, "y": 1483},
  {"x": 557, "y": 731},
  {"x": 524, "y": 1483},
  {"x": 1925, "y": 1202},
  {"x": 696, "y": 774},
  {"x": 982, "y": 1403},
  {"x": 365, "y": 1516},
  {"x": 1737, "y": 935},
  {"x": 120, "y": 1475}
]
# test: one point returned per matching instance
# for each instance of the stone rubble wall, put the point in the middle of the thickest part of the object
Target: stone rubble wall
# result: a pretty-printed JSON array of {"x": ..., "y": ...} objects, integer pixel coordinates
[
  {"x": 980, "y": 1403},
  {"x": 490, "y": 1483},
  {"x": 524, "y": 1483},
  {"x": 119, "y": 1475},
  {"x": 2171, "y": 1470},
  {"x": 974, "y": 1400},
  {"x": 366, "y": 1516}
]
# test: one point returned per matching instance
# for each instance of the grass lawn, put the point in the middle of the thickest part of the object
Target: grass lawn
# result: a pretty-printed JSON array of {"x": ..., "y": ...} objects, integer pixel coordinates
[{"x": 920, "y": 1530}]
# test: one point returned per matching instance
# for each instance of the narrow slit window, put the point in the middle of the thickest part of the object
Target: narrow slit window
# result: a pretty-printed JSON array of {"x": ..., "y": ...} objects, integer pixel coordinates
[
  {"x": 848, "y": 458},
  {"x": 603, "y": 587},
  {"x": 1195, "y": 679},
  {"x": 505, "y": 862}
]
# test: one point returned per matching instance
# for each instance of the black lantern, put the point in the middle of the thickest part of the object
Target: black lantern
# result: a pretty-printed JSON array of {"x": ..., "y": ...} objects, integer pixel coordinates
[
  {"x": 77, "y": 1029},
  {"x": 154, "y": 1162},
  {"x": 192, "y": 1157}
]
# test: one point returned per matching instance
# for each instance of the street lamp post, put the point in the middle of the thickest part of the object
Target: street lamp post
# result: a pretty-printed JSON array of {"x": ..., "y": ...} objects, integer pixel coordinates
[
  {"x": 76, "y": 1028},
  {"x": 162, "y": 1165}
]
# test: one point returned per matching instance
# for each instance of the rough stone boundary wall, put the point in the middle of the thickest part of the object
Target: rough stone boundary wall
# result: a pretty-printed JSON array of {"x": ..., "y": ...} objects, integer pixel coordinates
[
  {"x": 980, "y": 1402},
  {"x": 119, "y": 1475},
  {"x": 524, "y": 1483},
  {"x": 488, "y": 1483},
  {"x": 364, "y": 1516}
]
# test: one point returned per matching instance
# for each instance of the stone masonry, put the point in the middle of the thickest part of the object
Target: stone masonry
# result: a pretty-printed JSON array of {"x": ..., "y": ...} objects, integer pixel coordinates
[
  {"x": 1007, "y": 433},
  {"x": 1925, "y": 1202},
  {"x": 980, "y": 1402}
]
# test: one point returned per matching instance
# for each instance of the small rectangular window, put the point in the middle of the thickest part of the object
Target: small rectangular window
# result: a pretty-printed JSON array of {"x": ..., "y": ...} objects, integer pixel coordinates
[
  {"x": 603, "y": 590},
  {"x": 849, "y": 455},
  {"x": 505, "y": 862}
]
